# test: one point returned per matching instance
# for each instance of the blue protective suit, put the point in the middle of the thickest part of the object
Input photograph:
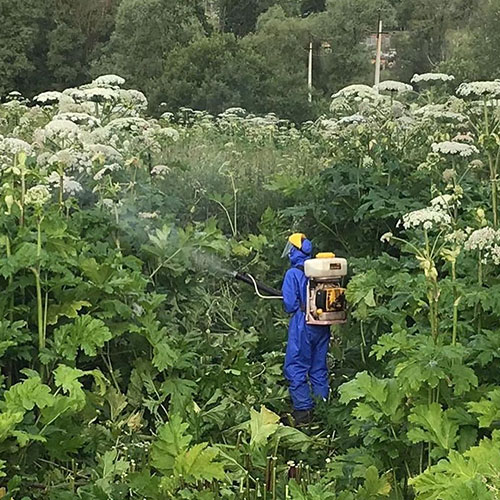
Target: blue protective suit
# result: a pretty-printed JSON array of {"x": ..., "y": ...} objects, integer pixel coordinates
[{"x": 307, "y": 347}]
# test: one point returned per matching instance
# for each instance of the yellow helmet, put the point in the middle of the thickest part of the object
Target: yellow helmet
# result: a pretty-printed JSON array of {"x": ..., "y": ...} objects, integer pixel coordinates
[{"x": 295, "y": 240}]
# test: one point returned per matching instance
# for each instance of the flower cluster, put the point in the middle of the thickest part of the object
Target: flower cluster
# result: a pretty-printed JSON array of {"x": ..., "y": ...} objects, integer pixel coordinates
[
  {"x": 37, "y": 196},
  {"x": 454, "y": 148},
  {"x": 445, "y": 202},
  {"x": 432, "y": 77},
  {"x": 108, "y": 81},
  {"x": 70, "y": 186},
  {"x": 48, "y": 98},
  {"x": 426, "y": 218},
  {"x": 482, "y": 239},
  {"x": 439, "y": 112},
  {"x": 13, "y": 146},
  {"x": 479, "y": 89},
  {"x": 160, "y": 171},
  {"x": 59, "y": 131},
  {"x": 356, "y": 91},
  {"x": 393, "y": 86}
]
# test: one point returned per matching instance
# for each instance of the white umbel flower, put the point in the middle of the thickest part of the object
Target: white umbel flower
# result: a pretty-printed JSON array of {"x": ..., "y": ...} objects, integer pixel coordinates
[
  {"x": 70, "y": 186},
  {"x": 349, "y": 120},
  {"x": 134, "y": 99},
  {"x": 482, "y": 239},
  {"x": 101, "y": 94},
  {"x": 363, "y": 91},
  {"x": 480, "y": 89},
  {"x": 445, "y": 202},
  {"x": 48, "y": 98},
  {"x": 106, "y": 170},
  {"x": 439, "y": 112},
  {"x": 61, "y": 130},
  {"x": 148, "y": 215},
  {"x": 83, "y": 119},
  {"x": 14, "y": 146},
  {"x": 393, "y": 86},
  {"x": 37, "y": 196},
  {"x": 454, "y": 148},
  {"x": 432, "y": 77},
  {"x": 426, "y": 218},
  {"x": 160, "y": 171},
  {"x": 108, "y": 81},
  {"x": 386, "y": 237}
]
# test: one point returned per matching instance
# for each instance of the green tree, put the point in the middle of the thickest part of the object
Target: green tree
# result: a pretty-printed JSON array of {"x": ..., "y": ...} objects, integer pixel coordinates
[
  {"x": 282, "y": 42},
  {"x": 427, "y": 23},
  {"x": 240, "y": 16},
  {"x": 23, "y": 39},
  {"x": 473, "y": 51},
  {"x": 146, "y": 32},
  {"x": 213, "y": 73},
  {"x": 82, "y": 26}
]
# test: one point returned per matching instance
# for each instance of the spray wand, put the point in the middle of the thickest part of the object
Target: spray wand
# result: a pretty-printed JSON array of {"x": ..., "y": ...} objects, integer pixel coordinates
[{"x": 259, "y": 287}]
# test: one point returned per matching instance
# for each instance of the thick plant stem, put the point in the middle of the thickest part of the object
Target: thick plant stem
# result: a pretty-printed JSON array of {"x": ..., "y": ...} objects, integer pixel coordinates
[
  {"x": 38, "y": 286},
  {"x": 478, "y": 312},
  {"x": 39, "y": 308},
  {"x": 8, "y": 251},
  {"x": 23, "y": 193},
  {"x": 455, "y": 303},
  {"x": 494, "y": 193}
]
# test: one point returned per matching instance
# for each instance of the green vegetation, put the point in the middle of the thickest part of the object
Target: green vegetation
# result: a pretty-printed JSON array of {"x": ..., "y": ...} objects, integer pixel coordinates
[
  {"x": 214, "y": 54},
  {"x": 133, "y": 367}
]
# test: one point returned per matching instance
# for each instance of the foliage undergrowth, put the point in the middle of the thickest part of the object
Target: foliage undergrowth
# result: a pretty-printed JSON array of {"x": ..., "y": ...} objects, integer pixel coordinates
[{"x": 133, "y": 367}]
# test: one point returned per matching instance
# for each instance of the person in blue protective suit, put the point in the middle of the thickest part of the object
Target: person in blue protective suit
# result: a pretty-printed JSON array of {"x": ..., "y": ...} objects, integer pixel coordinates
[{"x": 306, "y": 352}]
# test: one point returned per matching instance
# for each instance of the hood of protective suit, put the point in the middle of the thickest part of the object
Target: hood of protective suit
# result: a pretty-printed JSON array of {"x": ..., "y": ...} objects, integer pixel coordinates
[{"x": 298, "y": 257}]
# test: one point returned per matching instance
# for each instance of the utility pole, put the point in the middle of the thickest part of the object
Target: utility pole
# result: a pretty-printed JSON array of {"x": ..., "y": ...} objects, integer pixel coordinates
[
  {"x": 310, "y": 72},
  {"x": 379, "y": 51}
]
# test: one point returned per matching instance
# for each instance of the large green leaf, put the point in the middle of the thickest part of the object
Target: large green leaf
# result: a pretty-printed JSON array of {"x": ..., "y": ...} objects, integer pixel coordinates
[
  {"x": 198, "y": 463},
  {"x": 85, "y": 333},
  {"x": 172, "y": 441},
  {"x": 263, "y": 424},
  {"x": 431, "y": 424}
]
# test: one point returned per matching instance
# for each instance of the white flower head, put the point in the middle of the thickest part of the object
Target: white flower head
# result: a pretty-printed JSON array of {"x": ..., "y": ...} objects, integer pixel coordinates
[
  {"x": 148, "y": 215},
  {"x": 232, "y": 112},
  {"x": 426, "y": 218},
  {"x": 48, "y": 98},
  {"x": 386, "y": 237},
  {"x": 457, "y": 237},
  {"x": 439, "y": 112},
  {"x": 134, "y": 99},
  {"x": 101, "y": 94},
  {"x": 445, "y": 202},
  {"x": 454, "y": 148},
  {"x": 71, "y": 187},
  {"x": 104, "y": 152},
  {"x": 82, "y": 119},
  {"x": 353, "y": 91},
  {"x": 352, "y": 119},
  {"x": 37, "y": 196},
  {"x": 482, "y": 239},
  {"x": 168, "y": 116},
  {"x": 14, "y": 146},
  {"x": 108, "y": 81},
  {"x": 393, "y": 86},
  {"x": 58, "y": 130},
  {"x": 432, "y": 77},
  {"x": 77, "y": 95},
  {"x": 480, "y": 89},
  {"x": 106, "y": 170},
  {"x": 160, "y": 171}
]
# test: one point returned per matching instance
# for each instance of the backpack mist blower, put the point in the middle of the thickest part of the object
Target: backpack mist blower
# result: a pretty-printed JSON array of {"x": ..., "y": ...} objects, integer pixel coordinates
[{"x": 326, "y": 303}]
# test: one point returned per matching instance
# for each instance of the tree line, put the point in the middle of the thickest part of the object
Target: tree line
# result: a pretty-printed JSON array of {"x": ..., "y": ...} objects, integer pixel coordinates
[{"x": 214, "y": 54}]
